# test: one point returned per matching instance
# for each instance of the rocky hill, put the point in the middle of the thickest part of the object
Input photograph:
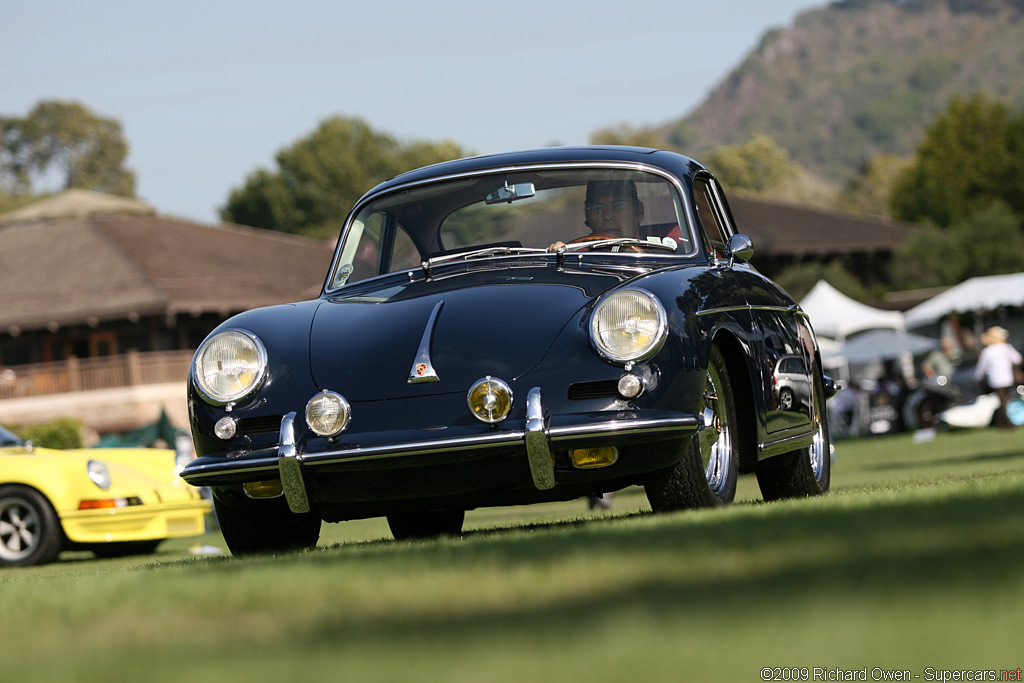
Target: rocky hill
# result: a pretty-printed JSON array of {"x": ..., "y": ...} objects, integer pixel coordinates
[{"x": 860, "y": 78}]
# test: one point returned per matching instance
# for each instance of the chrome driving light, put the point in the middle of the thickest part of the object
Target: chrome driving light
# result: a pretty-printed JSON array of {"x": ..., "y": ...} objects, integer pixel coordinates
[
  {"x": 225, "y": 428},
  {"x": 328, "y": 413},
  {"x": 229, "y": 366},
  {"x": 630, "y": 385},
  {"x": 629, "y": 325},
  {"x": 99, "y": 474},
  {"x": 489, "y": 399}
]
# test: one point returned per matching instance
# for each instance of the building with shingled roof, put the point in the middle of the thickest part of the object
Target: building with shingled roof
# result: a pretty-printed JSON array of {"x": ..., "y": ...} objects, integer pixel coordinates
[{"x": 101, "y": 293}]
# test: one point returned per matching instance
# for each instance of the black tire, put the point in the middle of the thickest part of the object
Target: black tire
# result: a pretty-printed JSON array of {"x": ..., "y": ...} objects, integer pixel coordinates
[
  {"x": 706, "y": 474},
  {"x": 266, "y": 528},
  {"x": 29, "y": 530},
  {"x": 805, "y": 471},
  {"x": 426, "y": 524},
  {"x": 124, "y": 549}
]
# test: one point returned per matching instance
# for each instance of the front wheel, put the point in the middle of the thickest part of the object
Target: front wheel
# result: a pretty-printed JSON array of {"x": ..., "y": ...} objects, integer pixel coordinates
[
  {"x": 426, "y": 524},
  {"x": 29, "y": 530},
  {"x": 706, "y": 474},
  {"x": 805, "y": 471},
  {"x": 268, "y": 528}
]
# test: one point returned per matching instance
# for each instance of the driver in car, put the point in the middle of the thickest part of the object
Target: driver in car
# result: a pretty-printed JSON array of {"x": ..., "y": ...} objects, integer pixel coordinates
[{"x": 611, "y": 209}]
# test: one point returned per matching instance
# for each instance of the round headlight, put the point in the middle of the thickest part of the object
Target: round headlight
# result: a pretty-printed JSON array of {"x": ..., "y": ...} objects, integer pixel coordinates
[
  {"x": 328, "y": 413},
  {"x": 99, "y": 474},
  {"x": 229, "y": 366},
  {"x": 629, "y": 325},
  {"x": 489, "y": 399}
]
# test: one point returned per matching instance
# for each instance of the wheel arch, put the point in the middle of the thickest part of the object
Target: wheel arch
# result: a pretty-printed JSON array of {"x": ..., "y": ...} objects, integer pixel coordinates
[{"x": 742, "y": 386}]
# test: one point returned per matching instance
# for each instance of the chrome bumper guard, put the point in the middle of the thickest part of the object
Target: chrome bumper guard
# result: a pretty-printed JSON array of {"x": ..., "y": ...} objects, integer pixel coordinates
[
  {"x": 542, "y": 463},
  {"x": 288, "y": 465}
]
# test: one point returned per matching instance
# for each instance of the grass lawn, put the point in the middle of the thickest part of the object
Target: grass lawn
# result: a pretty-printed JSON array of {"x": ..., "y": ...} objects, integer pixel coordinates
[{"x": 914, "y": 561}]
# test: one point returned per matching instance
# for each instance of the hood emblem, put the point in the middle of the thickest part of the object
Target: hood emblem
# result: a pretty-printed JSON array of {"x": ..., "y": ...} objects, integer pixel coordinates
[{"x": 422, "y": 368}]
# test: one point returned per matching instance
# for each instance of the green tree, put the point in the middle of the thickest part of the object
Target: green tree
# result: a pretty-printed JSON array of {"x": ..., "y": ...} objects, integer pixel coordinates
[
  {"x": 84, "y": 150},
  {"x": 321, "y": 176},
  {"x": 755, "y": 166},
  {"x": 800, "y": 278},
  {"x": 625, "y": 134},
  {"x": 988, "y": 242},
  {"x": 962, "y": 165},
  {"x": 926, "y": 259},
  {"x": 868, "y": 192}
]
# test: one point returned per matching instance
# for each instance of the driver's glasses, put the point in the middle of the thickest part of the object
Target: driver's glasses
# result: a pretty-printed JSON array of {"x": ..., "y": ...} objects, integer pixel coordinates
[{"x": 617, "y": 208}]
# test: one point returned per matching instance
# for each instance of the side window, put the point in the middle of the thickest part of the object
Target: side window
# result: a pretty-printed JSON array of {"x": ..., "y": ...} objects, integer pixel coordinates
[
  {"x": 404, "y": 254},
  {"x": 360, "y": 255},
  {"x": 713, "y": 232}
]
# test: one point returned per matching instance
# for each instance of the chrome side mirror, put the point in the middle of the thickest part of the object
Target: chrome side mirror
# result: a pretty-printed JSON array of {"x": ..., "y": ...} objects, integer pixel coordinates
[{"x": 741, "y": 249}]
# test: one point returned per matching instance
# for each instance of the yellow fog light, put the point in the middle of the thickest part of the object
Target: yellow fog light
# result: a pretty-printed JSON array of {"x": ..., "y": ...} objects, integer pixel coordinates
[
  {"x": 327, "y": 413},
  {"x": 263, "y": 489},
  {"x": 489, "y": 399},
  {"x": 584, "y": 458}
]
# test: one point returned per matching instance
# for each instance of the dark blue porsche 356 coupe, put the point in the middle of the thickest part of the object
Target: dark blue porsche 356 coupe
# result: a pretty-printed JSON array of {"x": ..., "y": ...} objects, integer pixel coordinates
[{"x": 512, "y": 329}]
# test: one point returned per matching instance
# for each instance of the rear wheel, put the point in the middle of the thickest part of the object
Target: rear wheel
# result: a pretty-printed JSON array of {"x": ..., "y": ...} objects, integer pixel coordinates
[
  {"x": 29, "y": 531},
  {"x": 426, "y": 524},
  {"x": 706, "y": 474},
  {"x": 266, "y": 528},
  {"x": 805, "y": 471}
]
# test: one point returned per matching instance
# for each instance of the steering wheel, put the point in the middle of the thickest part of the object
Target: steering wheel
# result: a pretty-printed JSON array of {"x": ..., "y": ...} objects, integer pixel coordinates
[{"x": 594, "y": 238}]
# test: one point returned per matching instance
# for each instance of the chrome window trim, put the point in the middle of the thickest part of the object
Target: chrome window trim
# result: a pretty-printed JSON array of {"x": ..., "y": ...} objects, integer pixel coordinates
[{"x": 571, "y": 165}]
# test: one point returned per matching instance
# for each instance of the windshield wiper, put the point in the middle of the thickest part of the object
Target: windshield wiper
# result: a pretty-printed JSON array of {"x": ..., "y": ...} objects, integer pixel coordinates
[
  {"x": 478, "y": 253},
  {"x": 617, "y": 241}
]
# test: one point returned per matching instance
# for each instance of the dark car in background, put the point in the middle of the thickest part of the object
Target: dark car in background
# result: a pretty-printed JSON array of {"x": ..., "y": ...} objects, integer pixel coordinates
[{"x": 511, "y": 329}]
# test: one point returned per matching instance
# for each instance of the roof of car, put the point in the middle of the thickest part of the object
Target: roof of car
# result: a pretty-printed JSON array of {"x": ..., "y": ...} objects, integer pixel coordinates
[{"x": 676, "y": 163}]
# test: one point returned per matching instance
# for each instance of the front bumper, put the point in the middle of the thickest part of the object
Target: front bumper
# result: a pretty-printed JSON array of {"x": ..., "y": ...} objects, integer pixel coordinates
[
  {"x": 534, "y": 439},
  {"x": 149, "y": 522}
]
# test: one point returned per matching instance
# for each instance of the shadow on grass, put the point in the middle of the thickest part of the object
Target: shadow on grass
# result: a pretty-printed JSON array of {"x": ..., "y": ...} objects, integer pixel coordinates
[
  {"x": 942, "y": 462},
  {"x": 767, "y": 560}
]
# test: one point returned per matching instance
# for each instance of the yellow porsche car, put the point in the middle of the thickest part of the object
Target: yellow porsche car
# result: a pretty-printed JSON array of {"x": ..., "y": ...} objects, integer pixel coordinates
[{"x": 113, "y": 501}]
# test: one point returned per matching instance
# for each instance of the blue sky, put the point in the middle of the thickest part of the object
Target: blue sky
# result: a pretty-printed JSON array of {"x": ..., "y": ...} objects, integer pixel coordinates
[{"x": 207, "y": 92}]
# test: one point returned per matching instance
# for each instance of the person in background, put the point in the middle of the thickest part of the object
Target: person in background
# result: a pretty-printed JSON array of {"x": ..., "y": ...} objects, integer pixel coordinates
[
  {"x": 994, "y": 371},
  {"x": 939, "y": 363}
]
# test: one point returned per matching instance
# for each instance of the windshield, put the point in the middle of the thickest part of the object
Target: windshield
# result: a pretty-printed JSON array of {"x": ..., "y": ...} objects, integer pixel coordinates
[
  {"x": 8, "y": 439},
  {"x": 523, "y": 212}
]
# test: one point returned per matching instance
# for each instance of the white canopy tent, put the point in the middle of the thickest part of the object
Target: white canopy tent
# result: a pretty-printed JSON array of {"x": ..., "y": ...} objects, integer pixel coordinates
[
  {"x": 837, "y": 316},
  {"x": 879, "y": 345},
  {"x": 985, "y": 293}
]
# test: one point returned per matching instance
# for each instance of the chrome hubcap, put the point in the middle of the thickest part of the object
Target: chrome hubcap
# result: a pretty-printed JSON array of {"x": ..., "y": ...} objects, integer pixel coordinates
[
  {"x": 819, "y": 446},
  {"x": 715, "y": 438},
  {"x": 19, "y": 527}
]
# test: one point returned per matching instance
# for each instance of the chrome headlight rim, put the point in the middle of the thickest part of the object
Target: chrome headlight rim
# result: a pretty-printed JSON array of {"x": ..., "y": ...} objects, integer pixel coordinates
[
  {"x": 650, "y": 349},
  {"x": 212, "y": 397},
  {"x": 345, "y": 412},
  {"x": 504, "y": 391}
]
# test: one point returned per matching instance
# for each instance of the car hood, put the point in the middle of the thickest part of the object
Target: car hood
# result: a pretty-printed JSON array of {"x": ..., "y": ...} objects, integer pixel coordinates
[{"x": 495, "y": 319}]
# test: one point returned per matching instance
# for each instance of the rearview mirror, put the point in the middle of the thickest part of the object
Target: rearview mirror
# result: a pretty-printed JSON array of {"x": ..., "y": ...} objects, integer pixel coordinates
[{"x": 510, "y": 193}]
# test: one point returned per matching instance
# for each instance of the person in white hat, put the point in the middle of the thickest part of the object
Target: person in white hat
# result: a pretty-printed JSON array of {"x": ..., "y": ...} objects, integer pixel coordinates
[{"x": 995, "y": 370}]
